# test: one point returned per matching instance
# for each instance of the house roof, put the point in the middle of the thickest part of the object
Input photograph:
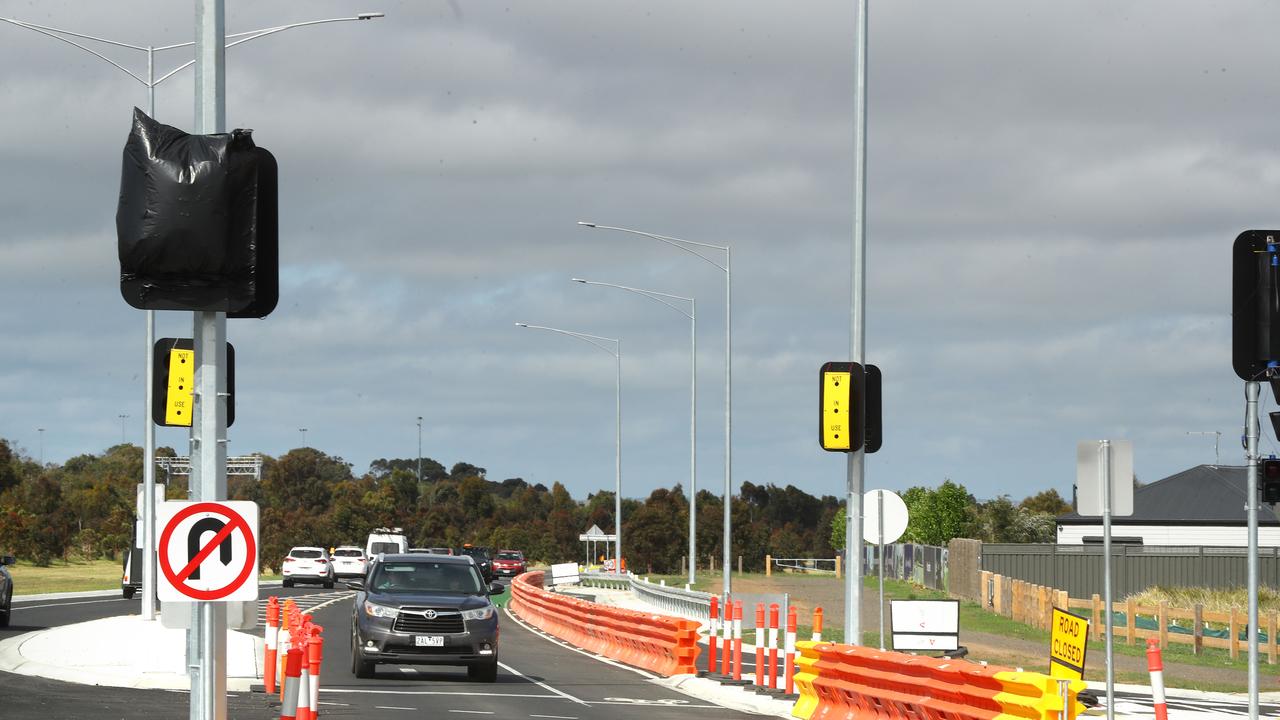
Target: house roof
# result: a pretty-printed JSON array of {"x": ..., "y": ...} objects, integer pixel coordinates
[{"x": 1202, "y": 495}]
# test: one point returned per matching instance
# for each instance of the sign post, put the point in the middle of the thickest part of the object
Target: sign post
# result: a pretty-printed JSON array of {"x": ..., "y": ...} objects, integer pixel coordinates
[
  {"x": 885, "y": 523},
  {"x": 1098, "y": 463}
]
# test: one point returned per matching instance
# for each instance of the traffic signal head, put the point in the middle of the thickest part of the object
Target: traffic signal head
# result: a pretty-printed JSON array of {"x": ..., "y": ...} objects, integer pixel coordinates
[
  {"x": 1255, "y": 303},
  {"x": 1269, "y": 480},
  {"x": 841, "y": 407}
]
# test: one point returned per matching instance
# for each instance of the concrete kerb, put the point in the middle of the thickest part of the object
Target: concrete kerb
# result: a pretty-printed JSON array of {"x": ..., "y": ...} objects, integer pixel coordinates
[{"x": 97, "y": 594}]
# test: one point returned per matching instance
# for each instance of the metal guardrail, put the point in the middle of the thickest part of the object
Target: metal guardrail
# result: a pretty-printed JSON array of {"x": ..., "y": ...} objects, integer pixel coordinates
[
  {"x": 826, "y": 565},
  {"x": 669, "y": 599}
]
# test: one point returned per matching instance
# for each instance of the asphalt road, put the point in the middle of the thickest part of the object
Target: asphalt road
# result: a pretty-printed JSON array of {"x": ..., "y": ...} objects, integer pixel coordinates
[{"x": 538, "y": 678}]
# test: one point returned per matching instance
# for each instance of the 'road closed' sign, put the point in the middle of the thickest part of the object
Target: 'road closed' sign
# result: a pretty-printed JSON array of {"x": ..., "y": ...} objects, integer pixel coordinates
[{"x": 1067, "y": 645}]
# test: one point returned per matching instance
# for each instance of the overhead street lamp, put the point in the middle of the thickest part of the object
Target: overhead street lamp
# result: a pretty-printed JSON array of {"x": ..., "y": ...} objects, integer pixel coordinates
[
  {"x": 617, "y": 461},
  {"x": 151, "y": 81},
  {"x": 688, "y": 246},
  {"x": 693, "y": 401}
]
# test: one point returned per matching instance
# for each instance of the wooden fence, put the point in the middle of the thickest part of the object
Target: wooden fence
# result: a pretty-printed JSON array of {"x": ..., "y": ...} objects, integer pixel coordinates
[{"x": 1033, "y": 605}]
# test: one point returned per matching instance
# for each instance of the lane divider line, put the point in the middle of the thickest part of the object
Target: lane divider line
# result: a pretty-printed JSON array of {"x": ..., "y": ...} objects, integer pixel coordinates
[
  {"x": 542, "y": 685},
  {"x": 557, "y": 641}
]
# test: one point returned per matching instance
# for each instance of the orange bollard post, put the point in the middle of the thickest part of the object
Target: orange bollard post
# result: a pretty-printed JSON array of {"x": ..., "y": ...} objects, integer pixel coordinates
[
  {"x": 771, "y": 674},
  {"x": 737, "y": 639},
  {"x": 304, "y": 674},
  {"x": 791, "y": 650},
  {"x": 273, "y": 630},
  {"x": 286, "y": 642},
  {"x": 315, "y": 653},
  {"x": 712, "y": 631},
  {"x": 1155, "y": 665},
  {"x": 726, "y": 642},
  {"x": 289, "y": 688},
  {"x": 759, "y": 639},
  {"x": 817, "y": 624}
]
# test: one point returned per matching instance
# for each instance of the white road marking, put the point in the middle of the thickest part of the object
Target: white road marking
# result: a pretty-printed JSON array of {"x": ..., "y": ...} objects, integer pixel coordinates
[
  {"x": 473, "y": 712},
  {"x": 392, "y": 707},
  {"x": 337, "y": 704},
  {"x": 580, "y": 651},
  {"x": 555, "y": 717},
  {"x": 88, "y": 602},
  {"x": 435, "y": 692},
  {"x": 410, "y": 670},
  {"x": 542, "y": 685}
]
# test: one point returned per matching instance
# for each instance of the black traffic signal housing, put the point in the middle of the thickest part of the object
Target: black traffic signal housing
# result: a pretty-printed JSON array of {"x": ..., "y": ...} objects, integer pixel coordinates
[
  {"x": 1255, "y": 303},
  {"x": 875, "y": 429},
  {"x": 1269, "y": 480}
]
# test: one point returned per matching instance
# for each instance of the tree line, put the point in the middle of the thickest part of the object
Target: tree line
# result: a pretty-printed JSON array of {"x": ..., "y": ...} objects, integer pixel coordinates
[{"x": 84, "y": 508}]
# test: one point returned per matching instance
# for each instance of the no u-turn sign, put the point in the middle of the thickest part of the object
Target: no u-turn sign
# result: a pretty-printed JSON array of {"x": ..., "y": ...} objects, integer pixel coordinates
[{"x": 207, "y": 551}]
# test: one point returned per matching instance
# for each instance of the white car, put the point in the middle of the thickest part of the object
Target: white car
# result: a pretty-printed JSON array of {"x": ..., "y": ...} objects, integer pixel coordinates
[
  {"x": 308, "y": 564},
  {"x": 349, "y": 561}
]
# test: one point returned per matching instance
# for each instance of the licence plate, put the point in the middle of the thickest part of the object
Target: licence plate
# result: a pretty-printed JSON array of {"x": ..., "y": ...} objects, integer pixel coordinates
[{"x": 428, "y": 640}]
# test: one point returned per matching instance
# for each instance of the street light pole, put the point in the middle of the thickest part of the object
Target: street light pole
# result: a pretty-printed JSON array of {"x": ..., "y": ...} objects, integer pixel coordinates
[
  {"x": 122, "y": 419},
  {"x": 304, "y": 436},
  {"x": 688, "y": 246},
  {"x": 419, "y": 450},
  {"x": 693, "y": 401},
  {"x": 41, "y": 432},
  {"x": 617, "y": 457},
  {"x": 148, "y": 436}
]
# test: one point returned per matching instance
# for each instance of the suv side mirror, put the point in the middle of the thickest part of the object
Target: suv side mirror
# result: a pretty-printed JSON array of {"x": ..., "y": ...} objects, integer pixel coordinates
[
  {"x": 8, "y": 560},
  {"x": 497, "y": 588},
  {"x": 355, "y": 584}
]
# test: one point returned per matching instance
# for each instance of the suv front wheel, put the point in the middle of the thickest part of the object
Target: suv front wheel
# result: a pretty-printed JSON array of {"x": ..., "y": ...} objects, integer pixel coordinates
[
  {"x": 483, "y": 672},
  {"x": 361, "y": 668}
]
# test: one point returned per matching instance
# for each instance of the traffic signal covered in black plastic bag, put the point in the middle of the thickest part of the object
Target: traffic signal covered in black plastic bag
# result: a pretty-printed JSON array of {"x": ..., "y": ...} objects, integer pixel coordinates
[
  {"x": 1255, "y": 303},
  {"x": 196, "y": 223},
  {"x": 1269, "y": 480}
]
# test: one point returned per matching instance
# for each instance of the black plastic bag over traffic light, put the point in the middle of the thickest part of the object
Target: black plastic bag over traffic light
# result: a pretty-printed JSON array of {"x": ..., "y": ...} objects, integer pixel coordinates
[
  {"x": 1255, "y": 303},
  {"x": 197, "y": 222}
]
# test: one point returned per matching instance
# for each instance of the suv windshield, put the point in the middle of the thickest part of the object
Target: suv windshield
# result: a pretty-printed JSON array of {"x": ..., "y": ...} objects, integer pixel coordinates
[
  {"x": 347, "y": 553},
  {"x": 509, "y": 556},
  {"x": 418, "y": 577}
]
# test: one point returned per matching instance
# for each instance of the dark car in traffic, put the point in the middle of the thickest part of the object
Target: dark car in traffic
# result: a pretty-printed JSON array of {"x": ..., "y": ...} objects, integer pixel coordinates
[
  {"x": 481, "y": 556},
  {"x": 425, "y": 610},
  {"x": 6, "y": 590}
]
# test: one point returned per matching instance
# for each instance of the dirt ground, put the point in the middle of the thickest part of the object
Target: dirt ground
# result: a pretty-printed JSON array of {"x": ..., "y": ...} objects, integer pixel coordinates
[{"x": 808, "y": 592}]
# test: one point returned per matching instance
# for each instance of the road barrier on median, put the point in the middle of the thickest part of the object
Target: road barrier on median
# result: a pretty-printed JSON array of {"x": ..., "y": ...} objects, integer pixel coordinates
[
  {"x": 272, "y": 635},
  {"x": 292, "y": 677},
  {"x": 660, "y": 643},
  {"x": 846, "y": 681}
]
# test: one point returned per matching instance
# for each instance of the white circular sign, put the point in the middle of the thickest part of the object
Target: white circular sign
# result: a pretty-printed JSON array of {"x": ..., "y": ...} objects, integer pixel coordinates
[{"x": 895, "y": 516}]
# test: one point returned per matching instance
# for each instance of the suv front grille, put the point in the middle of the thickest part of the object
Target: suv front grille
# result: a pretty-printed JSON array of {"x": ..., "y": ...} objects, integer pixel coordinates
[{"x": 411, "y": 620}]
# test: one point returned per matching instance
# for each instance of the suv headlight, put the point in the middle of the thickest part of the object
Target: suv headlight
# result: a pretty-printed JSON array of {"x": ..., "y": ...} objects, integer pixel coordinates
[
  {"x": 379, "y": 611},
  {"x": 483, "y": 613}
]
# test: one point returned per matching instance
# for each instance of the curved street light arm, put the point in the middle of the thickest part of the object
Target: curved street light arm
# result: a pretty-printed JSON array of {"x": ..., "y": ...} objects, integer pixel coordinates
[
  {"x": 589, "y": 339},
  {"x": 651, "y": 294},
  {"x": 53, "y": 33},
  {"x": 255, "y": 34},
  {"x": 47, "y": 29},
  {"x": 673, "y": 242}
]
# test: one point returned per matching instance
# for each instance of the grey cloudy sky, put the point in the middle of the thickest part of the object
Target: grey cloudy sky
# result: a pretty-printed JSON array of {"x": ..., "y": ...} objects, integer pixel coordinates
[{"x": 1053, "y": 188}]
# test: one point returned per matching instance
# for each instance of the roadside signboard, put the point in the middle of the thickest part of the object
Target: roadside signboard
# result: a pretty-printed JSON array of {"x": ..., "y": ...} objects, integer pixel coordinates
[
  {"x": 1089, "y": 490},
  {"x": 1067, "y": 644},
  {"x": 925, "y": 624},
  {"x": 207, "y": 551},
  {"x": 564, "y": 573}
]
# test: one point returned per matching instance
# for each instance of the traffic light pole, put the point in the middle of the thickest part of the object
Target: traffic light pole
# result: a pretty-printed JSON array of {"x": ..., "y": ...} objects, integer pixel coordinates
[
  {"x": 1251, "y": 390},
  {"x": 207, "y": 637}
]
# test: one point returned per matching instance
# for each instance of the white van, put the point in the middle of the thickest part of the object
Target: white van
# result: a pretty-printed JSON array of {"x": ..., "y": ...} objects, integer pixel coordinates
[{"x": 386, "y": 540}]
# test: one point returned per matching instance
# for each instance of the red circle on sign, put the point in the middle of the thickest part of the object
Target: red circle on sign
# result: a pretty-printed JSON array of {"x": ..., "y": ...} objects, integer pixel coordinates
[{"x": 237, "y": 523}]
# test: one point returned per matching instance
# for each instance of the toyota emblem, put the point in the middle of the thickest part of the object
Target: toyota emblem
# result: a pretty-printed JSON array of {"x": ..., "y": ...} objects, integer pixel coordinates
[{"x": 429, "y": 614}]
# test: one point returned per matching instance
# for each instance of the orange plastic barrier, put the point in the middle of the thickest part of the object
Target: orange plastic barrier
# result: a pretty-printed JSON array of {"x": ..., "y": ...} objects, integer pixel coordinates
[
  {"x": 273, "y": 630},
  {"x": 846, "y": 681},
  {"x": 660, "y": 643}
]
